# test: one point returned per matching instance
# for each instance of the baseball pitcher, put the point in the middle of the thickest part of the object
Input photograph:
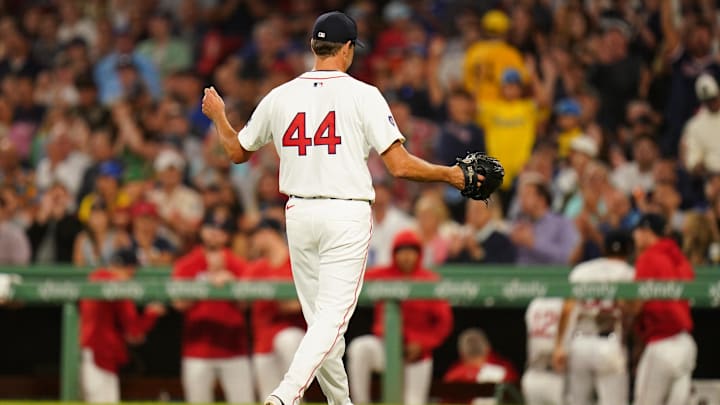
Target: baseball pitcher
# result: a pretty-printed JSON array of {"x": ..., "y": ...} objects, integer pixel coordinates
[{"x": 323, "y": 125}]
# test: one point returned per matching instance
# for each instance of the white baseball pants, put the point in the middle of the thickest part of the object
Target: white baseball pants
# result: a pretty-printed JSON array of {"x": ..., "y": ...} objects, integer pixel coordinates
[
  {"x": 99, "y": 386},
  {"x": 597, "y": 364},
  {"x": 199, "y": 375},
  {"x": 328, "y": 242},
  {"x": 665, "y": 371},
  {"x": 543, "y": 387},
  {"x": 270, "y": 367},
  {"x": 366, "y": 354}
]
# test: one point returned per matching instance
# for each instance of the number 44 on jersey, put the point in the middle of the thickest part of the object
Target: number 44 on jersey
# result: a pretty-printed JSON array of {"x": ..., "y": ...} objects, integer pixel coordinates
[{"x": 295, "y": 135}]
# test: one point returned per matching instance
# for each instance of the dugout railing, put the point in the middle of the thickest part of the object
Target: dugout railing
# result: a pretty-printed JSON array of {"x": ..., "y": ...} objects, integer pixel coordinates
[{"x": 472, "y": 286}]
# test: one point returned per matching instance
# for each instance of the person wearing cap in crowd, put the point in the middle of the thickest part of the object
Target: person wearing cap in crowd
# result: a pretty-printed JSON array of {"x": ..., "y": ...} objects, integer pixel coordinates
[
  {"x": 426, "y": 325},
  {"x": 151, "y": 247},
  {"x": 105, "y": 329},
  {"x": 214, "y": 337},
  {"x": 700, "y": 143},
  {"x": 101, "y": 145},
  {"x": 487, "y": 59},
  {"x": 688, "y": 51},
  {"x": 277, "y": 326},
  {"x": 567, "y": 119},
  {"x": 95, "y": 245},
  {"x": 179, "y": 206},
  {"x": 510, "y": 122},
  {"x": 590, "y": 345},
  {"x": 107, "y": 188},
  {"x": 479, "y": 363},
  {"x": 664, "y": 371},
  {"x": 583, "y": 151}
]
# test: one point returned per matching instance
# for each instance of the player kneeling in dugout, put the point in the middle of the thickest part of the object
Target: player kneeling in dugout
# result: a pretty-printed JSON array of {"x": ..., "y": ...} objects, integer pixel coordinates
[
  {"x": 426, "y": 324},
  {"x": 480, "y": 364}
]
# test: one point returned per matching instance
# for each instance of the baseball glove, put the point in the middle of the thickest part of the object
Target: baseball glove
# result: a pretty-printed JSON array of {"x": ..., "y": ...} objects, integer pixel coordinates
[{"x": 490, "y": 168}]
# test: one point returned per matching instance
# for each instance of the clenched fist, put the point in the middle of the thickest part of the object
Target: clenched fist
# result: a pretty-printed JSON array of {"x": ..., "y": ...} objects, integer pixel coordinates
[{"x": 213, "y": 105}]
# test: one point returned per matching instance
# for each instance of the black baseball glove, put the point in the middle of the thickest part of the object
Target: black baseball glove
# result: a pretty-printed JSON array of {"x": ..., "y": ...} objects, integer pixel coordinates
[{"x": 477, "y": 163}]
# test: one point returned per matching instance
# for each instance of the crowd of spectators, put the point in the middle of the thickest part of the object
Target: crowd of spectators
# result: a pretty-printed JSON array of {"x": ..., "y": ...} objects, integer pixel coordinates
[{"x": 598, "y": 110}]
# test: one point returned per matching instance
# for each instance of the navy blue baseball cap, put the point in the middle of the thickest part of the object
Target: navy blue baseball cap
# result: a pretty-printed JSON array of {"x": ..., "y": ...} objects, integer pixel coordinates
[
  {"x": 336, "y": 26},
  {"x": 652, "y": 222},
  {"x": 618, "y": 243}
]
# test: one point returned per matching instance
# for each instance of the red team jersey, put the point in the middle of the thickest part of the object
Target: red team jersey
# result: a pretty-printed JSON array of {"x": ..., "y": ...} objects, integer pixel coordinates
[
  {"x": 212, "y": 329},
  {"x": 105, "y": 324},
  {"x": 425, "y": 322},
  {"x": 267, "y": 320},
  {"x": 663, "y": 261}
]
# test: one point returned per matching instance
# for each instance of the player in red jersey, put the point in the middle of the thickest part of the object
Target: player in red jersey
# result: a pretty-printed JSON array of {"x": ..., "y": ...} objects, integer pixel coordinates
[
  {"x": 106, "y": 327},
  {"x": 214, "y": 339},
  {"x": 665, "y": 369},
  {"x": 426, "y": 324},
  {"x": 277, "y": 326},
  {"x": 478, "y": 363}
]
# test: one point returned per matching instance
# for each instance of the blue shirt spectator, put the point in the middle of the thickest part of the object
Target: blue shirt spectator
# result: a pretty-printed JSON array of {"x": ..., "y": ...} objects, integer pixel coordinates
[
  {"x": 106, "y": 71},
  {"x": 542, "y": 236}
]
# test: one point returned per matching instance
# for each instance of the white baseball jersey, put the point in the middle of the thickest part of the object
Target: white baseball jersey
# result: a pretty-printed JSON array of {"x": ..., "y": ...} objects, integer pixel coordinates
[
  {"x": 597, "y": 270},
  {"x": 542, "y": 319},
  {"x": 323, "y": 125}
]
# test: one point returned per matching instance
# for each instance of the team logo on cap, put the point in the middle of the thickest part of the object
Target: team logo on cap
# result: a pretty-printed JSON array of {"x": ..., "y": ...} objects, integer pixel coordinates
[{"x": 321, "y": 34}]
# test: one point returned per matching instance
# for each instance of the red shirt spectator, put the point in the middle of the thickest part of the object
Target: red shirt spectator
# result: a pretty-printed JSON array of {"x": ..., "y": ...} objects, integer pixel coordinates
[{"x": 426, "y": 323}]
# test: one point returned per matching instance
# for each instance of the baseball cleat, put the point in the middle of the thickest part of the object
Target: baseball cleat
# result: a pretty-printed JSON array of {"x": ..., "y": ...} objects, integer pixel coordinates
[{"x": 274, "y": 400}]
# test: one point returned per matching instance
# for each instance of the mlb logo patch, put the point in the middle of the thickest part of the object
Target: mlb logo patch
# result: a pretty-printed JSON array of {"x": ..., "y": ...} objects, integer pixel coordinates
[
  {"x": 391, "y": 119},
  {"x": 321, "y": 34}
]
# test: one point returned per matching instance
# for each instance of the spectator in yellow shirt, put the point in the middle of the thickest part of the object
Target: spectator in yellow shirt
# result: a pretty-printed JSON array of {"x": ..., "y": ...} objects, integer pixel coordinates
[
  {"x": 488, "y": 58},
  {"x": 510, "y": 122},
  {"x": 107, "y": 188},
  {"x": 567, "y": 119}
]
